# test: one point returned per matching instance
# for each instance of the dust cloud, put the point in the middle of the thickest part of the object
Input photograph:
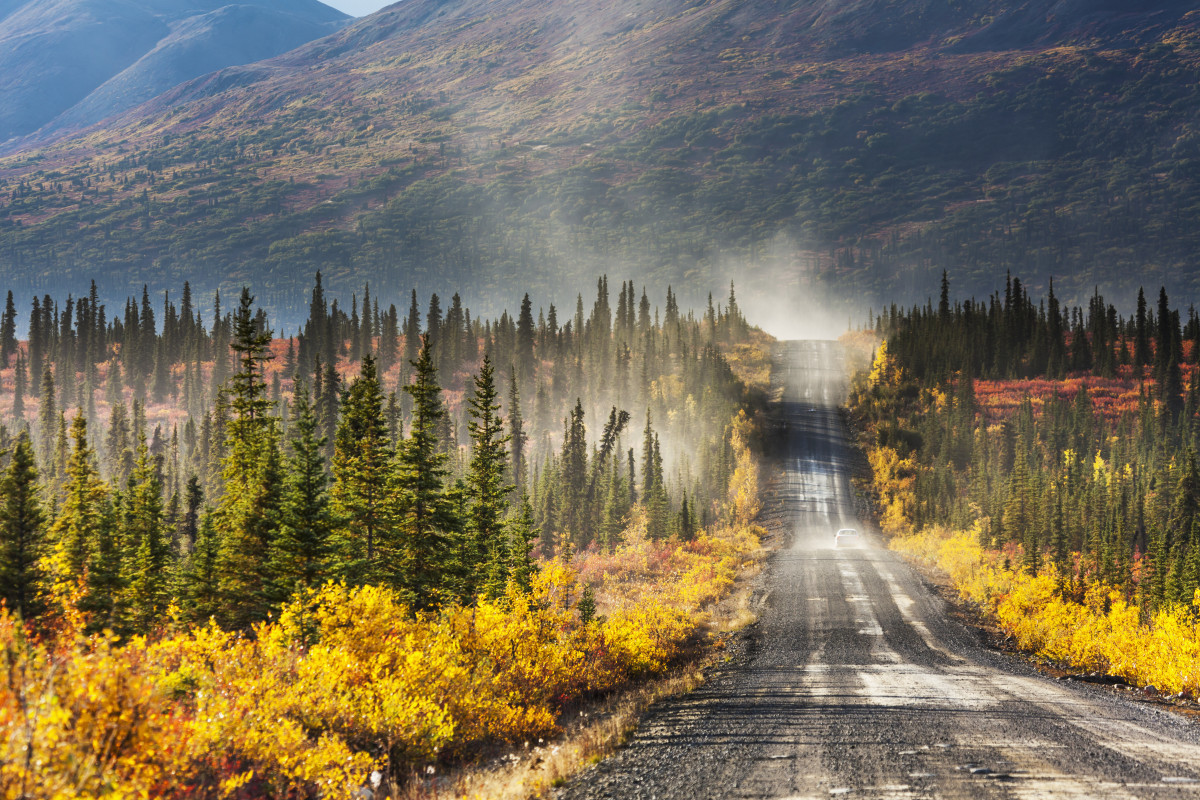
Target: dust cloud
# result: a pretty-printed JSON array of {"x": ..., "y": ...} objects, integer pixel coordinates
[{"x": 791, "y": 293}]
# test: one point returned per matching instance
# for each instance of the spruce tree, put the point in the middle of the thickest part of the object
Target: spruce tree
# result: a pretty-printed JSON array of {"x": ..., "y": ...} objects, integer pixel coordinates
[
  {"x": 161, "y": 385},
  {"x": 189, "y": 523},
  {"x": 355, "y": 339},
  {"x": 149, "y": 557},
  {"x": 659, "y": 502},
  {"x": 37, "y": 346},
  {"x": 485, "y": 557},
  {"x": 20, "y": 388},
  {"x": 200, "y": 590},
  {"x": 247, "y": 516},
  {"x": 1141, "y": 343},
  {"x": 118, "y": 451},
  {"x": 412, "y": 332},
  {"x": 303, "y": 550},
  {"x": 1163, "y": 337},
  {"x": 47, "y": 421},
  {"x": 362, "y": 465},
  {"x": 522, "y": 535},
  {"x": 317, "y": 334},
  {"x": 8, "y": 331},
  {"x": 525, "y": 359},
  {"x": 574, "y": 517},
  {"x": 104, "y": 599},
  {"x": 22, "y": 534},
  {"x": 427, "y": 519},
  {"x": 519, "y": 438},
  {"x": 394, "y": 417},
  {"x": 389, "y": 333},
  {"x": 76, "y": 530},
  {"x": 649, "y": 478},
  {"x": 327, "y": 402}
]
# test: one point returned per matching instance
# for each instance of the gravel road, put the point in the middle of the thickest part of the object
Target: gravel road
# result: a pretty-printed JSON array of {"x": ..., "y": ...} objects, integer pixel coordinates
[{"x": 855, "y": 684}]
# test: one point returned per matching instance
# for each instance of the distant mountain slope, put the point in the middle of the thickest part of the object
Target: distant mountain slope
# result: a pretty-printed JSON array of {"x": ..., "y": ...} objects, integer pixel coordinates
[
  {"x": 233, "y": 34},
  {"x": 1049, "y": 22},
  {"x": 457, "y": 144},
  {"x": 82, "y": 60}
]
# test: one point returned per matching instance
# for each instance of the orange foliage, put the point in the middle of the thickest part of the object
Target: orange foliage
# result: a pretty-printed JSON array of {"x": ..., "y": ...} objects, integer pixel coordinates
[{"x": 1110, "y": 397}]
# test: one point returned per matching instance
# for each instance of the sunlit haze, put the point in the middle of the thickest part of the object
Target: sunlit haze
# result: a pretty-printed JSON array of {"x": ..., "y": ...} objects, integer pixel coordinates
[{"x": 358, "y": 8}]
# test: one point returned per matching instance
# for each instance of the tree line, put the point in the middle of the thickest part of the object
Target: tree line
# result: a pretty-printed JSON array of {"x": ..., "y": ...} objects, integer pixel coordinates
[
  {"x": 1111, "y": 497},
  {"x": 163, "y": 468}
]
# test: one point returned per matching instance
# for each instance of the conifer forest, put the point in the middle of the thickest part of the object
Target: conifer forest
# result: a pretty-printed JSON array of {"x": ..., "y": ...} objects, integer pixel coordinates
[
  {"x": 356, "y": 546},
  {"x": 1046, "y": 456}
]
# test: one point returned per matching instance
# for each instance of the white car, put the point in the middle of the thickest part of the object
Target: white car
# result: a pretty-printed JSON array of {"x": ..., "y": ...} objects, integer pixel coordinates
[{"x": 846, "y": 537}]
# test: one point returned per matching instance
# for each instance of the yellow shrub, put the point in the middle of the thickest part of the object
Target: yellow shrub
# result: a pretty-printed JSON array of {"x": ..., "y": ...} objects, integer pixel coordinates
[
  {"x": 349, "y": 680},
  {"x": 81, "y": 721},
  {"x": 893, "y": 478},
  {"x": 646, "y": 636},
  {"x": 743, "y": 505},
  {"x": 1102, "y": 633}
]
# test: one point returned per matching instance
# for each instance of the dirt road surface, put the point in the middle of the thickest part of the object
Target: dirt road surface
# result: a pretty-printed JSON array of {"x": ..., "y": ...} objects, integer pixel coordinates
[{"x": 856, "y": 684}]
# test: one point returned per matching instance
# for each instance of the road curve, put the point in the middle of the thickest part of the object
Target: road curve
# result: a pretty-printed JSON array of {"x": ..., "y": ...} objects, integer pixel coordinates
[{"x": 855, "y": 684}]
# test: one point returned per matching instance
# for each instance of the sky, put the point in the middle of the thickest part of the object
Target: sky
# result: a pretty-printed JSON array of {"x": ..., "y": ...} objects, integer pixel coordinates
[{"x": 358, "y": 8}]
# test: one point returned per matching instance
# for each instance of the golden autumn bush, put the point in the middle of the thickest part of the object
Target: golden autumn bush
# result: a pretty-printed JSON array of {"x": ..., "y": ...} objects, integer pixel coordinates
[
  {"x": 82, "y": 719},
  {"x": 349, "y": 683},
  {"x": 1102, "y": 633}
]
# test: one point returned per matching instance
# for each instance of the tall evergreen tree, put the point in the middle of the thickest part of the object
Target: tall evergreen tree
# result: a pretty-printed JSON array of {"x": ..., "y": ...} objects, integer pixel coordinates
[
  {"x": 412, "y": 331},
  {"x": 574, "y": 516},
  {"x": 362, "y": 465},
  {"x": 76, "y": 530},
  {"x": 246, "y": 519},
  {"x": 519, "y": 438},
  {"x": 47, "y": 420},
  {"x": 306, "y": 522},
  {"x": 37, "y": 346},
  {"x": 20, "y": 387},
  {"x": 521, "y": 538},
  {"x": 1141, "y": 342},
  {"x": 525, "y": 358},
  {"x": 427, "y": 519},
  {"x": 149, "y": 552},
  {"x": 8, "y": 331},
  {"x": 189, "y": 523},
  {"x": 327, "y": 402},
  {"x": 200, "y": 589},
  {"x": 487, "y": 551},
  {"x": 22, "y": 534}
]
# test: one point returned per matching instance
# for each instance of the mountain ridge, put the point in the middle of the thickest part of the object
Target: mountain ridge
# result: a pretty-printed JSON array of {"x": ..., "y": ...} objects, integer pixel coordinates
[
  {"x": 75, "y": 62},
  {"x": 440, "y": 144}
]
